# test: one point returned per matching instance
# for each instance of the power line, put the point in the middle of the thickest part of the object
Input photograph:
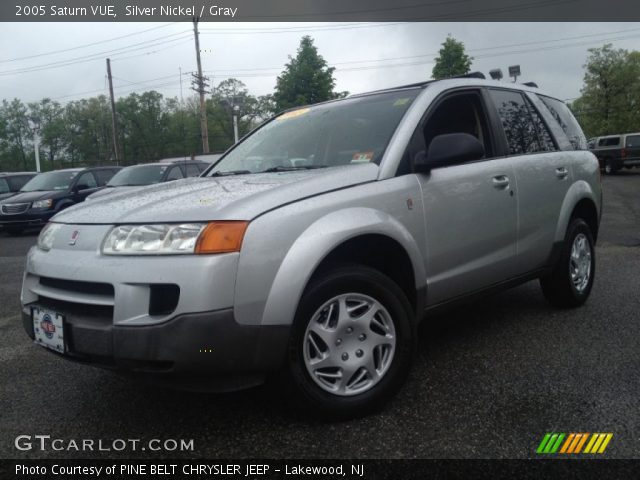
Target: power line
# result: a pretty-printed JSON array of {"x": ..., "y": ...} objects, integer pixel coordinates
[
  {"x": 54, "y": 52},
  {"x": 252, "y": 31},
  {"x": 96, "y": 56}
]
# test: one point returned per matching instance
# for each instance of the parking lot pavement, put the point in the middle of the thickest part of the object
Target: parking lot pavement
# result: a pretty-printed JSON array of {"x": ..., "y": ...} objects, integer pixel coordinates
[{"x": 489, "y": 381}]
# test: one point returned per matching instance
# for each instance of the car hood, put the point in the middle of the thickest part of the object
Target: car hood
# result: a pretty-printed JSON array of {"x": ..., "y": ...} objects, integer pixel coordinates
[
  {"x": 237, "y": 197},
  {"x": 4, "y": 196},
  {"x": 28, "y": 197}
]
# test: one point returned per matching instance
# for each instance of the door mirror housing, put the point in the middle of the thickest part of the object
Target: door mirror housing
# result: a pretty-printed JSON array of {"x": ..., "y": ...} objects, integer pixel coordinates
[{"x": 449, "y": 149}]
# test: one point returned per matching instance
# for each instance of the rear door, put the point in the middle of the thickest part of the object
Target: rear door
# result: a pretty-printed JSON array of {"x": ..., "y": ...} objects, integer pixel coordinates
[
  {"x": 542, "y": 175},
  {"x": 470, "y": 209}
]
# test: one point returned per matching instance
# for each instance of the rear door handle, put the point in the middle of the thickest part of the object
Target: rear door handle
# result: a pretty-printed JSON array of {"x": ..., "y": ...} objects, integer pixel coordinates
[
  {"x": 562, "y": 173},
  {"x": 500, "y": 181}
]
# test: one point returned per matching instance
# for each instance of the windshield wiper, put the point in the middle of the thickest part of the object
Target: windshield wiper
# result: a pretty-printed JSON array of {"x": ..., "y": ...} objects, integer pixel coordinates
[
  {"x": 283, "y": 168},
  {"x": 229, "y": 172}
]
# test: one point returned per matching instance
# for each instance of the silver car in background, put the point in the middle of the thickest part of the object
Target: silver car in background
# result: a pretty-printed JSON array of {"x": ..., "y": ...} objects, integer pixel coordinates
[{"x": 316, "y": 245}]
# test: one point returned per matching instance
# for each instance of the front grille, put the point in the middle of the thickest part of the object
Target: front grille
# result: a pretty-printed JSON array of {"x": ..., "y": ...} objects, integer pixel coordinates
[
  {"x": 14, "y": 208},
  {"x": 91, "y": 314},
  {"x": 74, "y": 286}
]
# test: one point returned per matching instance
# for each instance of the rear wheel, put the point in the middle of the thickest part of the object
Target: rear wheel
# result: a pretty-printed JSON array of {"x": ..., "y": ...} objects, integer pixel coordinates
[
  {"x": 608, "y": 167},
  {"x": 570, "y": 282},
  {"x": 352, "y": 342}
]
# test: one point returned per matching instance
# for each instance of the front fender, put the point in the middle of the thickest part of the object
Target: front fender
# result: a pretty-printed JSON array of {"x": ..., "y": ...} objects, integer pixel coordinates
[{"x": 316, "y": 242}]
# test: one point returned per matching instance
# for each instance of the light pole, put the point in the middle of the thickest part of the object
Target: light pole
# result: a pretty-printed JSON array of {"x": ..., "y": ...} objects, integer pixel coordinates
[
  {"x": 236, "y": 109},
  {"x": 35, "y": 128}
]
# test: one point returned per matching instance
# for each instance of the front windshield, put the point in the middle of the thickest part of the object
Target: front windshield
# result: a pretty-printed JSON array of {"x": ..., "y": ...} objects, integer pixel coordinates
[
  {"x": 60, "y": 180},
  {"x": 4, "y": 186},
  {"x": 355, "y": 130},
  {"x": 138, "y": 175}
]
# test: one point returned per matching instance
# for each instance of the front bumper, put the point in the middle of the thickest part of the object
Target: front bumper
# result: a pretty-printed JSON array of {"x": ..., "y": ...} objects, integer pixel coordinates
[
  {"x": 206, "y": 351},
  {"x": 30, "y": 218}
]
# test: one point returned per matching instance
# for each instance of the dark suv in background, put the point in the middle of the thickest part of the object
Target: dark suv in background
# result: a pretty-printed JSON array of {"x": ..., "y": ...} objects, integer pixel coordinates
[
  {"x": 47, "y": 193},
  {"x": 616, "y": 151},
  {"x": 12, "y": 182}
]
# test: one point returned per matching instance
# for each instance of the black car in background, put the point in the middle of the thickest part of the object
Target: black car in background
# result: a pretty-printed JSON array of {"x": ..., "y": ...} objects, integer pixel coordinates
[
  {"x": 137, "y": 176},
  {"x": 48, "y": 193},
  {"x": 12, "y": 182},
  {"x": 615, "y": 152}
]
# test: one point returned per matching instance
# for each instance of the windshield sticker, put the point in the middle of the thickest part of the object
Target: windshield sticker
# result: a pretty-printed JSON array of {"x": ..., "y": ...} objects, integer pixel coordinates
[
  {"x": 293, "y": 114},
  {"x": 362, "y": 157},
  {"x": 400, "y": 102}
]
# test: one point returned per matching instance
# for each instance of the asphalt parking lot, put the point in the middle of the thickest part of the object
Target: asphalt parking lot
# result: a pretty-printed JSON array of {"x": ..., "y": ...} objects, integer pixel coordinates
[{"x": 489, "y": 381}]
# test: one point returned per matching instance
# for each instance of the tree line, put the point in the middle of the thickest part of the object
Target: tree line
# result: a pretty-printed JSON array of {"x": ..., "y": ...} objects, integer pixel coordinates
[{"x": 150, "y": 125}]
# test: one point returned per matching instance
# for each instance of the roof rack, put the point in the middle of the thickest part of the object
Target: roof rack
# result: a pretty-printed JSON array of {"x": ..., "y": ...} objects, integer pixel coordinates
[
  {"x": 471, "y": 75},
  {"x": 530, "y": 84}
]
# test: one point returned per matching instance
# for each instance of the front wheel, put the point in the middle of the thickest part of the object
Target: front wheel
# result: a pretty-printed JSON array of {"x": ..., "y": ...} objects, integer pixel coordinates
[
  {"x": 352, "y": 342},
  {"x": 570, "y": 282}
]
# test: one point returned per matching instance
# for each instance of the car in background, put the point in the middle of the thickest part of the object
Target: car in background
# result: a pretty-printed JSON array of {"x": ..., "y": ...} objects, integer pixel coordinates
[
  {"x": 144, "y": 174},
  {"x": 48, "y": 193},
  {"x": 615, "y": 152},
  {"x": 12, "y": 182}
]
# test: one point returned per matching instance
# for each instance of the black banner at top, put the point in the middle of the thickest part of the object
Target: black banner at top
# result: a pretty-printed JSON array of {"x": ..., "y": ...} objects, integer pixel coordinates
[{"x": 318, "y": 10}]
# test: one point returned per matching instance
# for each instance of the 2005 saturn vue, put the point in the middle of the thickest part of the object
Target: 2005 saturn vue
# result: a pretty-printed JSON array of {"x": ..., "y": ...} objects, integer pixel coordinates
[{"x": 317, "y": 244}]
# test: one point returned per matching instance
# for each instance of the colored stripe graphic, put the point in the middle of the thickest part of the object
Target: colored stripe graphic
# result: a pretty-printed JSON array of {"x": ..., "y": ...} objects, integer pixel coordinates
[{"x": 573, "y": 443}]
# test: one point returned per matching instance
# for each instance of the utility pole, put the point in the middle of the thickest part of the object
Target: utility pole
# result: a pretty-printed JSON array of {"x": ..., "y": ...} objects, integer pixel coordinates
[
  {"x": 200, "y": 84},
  {"x": 114, "y": 119}
]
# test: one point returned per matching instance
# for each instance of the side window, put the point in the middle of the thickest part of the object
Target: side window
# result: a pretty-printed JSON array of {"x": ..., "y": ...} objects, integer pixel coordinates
[
  {"x": 104, "y": 176},
  {"x": 192, "y": 170},
  {"x": 516, "y": 121},
  {"x": 87, "y": 180},
  {"x": 633, "y": 141},
  {"x": 459, "y": 113},
  {"x": 567, "y": 121},
  {"x": 202, "y": 166},
  {"x": 609, "y": 142},
  {"x": 175, "y": 173},
  {"x": 544, "y": 137}
]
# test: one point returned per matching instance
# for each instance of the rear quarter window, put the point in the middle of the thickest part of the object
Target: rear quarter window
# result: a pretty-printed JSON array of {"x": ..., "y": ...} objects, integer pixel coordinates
[
  {"x": 633, "y": 141},
  {"x": 567, "y": 122},
  {"x": 609, "y": 142}
]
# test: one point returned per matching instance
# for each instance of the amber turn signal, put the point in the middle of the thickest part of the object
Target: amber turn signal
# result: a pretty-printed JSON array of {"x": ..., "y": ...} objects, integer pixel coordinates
[{"x": 221, "y": 237}]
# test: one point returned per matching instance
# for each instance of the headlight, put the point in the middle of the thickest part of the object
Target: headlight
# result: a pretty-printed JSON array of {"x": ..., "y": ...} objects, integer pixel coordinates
[
  {"x": 171, "y": 239},
  {"x": 42, "y": 204},
  {"x": 47, "y": 235}
]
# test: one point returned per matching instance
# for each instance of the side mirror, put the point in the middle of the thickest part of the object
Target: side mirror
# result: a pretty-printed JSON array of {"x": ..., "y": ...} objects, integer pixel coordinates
[{"x": 449, "y": 149}]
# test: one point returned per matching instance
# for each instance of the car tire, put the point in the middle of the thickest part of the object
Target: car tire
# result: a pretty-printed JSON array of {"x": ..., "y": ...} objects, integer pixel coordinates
[
  {"x": 372, "y": 362},
  {"x": 571, "y": 280},
  {"x": 608, "y": 167}
]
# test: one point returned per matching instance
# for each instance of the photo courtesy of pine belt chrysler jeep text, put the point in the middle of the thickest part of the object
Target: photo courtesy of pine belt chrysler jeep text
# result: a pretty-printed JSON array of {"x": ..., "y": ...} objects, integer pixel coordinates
[{"x": 315, "y": 246}]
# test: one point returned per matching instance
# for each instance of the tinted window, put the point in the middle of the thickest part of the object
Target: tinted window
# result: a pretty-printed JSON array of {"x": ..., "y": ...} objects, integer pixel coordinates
[
  {"x": 104, "y": 176},
  {"x": 609, "y": 142},
  {"x": 175, "y": 173},
  {"x": 518, "y": 125},
  {"x": 544, "y": 137},
  {"x": 19, "y": 181},
  {"x": 60, "y": 180},
  {"x": 192, "y": 170},
  {"x": 86, "y": 180},
  {"x": 567, "y": 121},
  {"x": 351, "y": 131},
  {"x": 4, "y": 186},
  {"x": 633, "y": 141}
]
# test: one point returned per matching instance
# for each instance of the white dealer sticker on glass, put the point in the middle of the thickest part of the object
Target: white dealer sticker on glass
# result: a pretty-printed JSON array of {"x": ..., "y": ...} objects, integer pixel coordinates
[{"x": 47, "y": 327}]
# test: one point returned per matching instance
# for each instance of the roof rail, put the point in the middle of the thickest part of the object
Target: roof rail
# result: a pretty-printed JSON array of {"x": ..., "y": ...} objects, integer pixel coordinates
[
  {"x": 471, "y": 75},
  {"x": 530, "y": 84}
]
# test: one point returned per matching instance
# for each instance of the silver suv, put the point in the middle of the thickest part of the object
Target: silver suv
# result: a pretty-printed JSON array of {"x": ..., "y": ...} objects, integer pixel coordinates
[{"x": 317, "y": 244}]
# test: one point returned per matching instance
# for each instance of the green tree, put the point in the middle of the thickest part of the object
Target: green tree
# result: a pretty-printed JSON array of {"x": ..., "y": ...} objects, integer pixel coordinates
[
  {"x": 452, "y": 60},
  {"x": 17, "y": 137},
  {"x": 47, "y": 117},
  {"x": 306, "y": 79},
  {"x": 610, "y": 96}
]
